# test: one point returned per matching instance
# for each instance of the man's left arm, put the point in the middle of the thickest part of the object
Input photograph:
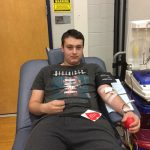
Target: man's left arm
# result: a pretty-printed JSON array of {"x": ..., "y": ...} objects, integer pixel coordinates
[{"x": 111, "y": 98}]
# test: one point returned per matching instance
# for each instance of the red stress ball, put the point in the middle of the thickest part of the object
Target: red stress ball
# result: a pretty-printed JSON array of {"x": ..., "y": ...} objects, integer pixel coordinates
[{"x": 128, "y": 121}]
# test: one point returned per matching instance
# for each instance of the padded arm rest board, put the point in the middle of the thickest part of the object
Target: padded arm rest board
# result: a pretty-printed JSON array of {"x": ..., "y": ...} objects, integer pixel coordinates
[{"x": 116, "y": 117}]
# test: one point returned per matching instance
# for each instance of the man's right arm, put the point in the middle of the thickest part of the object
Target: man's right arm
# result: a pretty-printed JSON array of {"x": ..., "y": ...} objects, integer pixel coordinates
[{"x": 37, "y": 107}]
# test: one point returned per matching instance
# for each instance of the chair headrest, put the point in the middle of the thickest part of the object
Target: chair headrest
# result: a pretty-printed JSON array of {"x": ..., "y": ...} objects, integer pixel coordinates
[{"x": 56, "y": 56}]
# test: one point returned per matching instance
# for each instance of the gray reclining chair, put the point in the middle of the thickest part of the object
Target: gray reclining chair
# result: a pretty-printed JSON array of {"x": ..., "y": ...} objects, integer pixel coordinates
[{"x": 28, "y": 72}]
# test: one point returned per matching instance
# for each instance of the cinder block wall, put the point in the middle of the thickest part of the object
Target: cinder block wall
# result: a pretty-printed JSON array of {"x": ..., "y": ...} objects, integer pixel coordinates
[{"x": 100, "y": 30}]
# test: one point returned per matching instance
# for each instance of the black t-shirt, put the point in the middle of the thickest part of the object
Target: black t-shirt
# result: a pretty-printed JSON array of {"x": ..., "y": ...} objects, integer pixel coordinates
[{"x": 77, "y": 85}]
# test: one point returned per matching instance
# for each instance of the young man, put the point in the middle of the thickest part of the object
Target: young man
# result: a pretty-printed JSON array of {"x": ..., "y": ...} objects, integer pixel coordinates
[{"x": 62, "y": 92}]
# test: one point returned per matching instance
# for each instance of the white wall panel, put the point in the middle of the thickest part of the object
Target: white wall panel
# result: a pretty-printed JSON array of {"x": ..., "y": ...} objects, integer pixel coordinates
[
  {"x": 81, "y": 20},
  {"x": 103, "y": 39},
  {"x": 102, "y": 52},
  {"x": 90, "y": 2},
  {"x": 106, "y": 11},
  {"x": 94, "y": 12},
  {"x": 100, "y": 30},
  {"x": 108, "y": 1},
  {"x": 103, "y": 25}
]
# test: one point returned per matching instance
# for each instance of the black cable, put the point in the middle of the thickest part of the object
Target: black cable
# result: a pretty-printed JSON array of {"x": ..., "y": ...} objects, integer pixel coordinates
[{"x": 116, "y": 25}]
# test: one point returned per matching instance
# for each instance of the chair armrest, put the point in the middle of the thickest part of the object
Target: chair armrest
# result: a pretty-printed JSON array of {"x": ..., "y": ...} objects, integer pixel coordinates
[{"x": 116, "y": 117}]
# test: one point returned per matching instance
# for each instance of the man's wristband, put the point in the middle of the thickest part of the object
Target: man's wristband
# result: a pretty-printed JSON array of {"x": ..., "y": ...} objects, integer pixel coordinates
[{"x": 125, "y": 108}]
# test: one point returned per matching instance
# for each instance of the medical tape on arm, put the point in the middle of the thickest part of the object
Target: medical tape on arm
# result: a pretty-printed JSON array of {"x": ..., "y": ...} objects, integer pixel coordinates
[
  {"x": 110, "y": 94},
  {"x": 111, "y": 97}
]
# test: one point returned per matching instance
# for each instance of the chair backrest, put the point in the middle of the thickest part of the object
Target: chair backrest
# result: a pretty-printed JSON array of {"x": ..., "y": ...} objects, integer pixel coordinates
[{"x": 28, "y": 72}]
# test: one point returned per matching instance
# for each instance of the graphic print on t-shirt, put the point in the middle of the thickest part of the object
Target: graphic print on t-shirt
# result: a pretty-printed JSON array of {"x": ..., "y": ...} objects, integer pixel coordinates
[{"x": 70, "y": 83}]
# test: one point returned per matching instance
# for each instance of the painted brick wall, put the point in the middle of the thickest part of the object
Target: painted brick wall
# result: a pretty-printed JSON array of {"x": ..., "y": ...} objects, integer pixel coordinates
[{"x": 100, "y": 30}]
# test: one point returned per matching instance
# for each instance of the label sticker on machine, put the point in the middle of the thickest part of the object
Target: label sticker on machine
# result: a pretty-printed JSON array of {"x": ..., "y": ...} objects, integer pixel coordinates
[{"x": 91, "y": 115}]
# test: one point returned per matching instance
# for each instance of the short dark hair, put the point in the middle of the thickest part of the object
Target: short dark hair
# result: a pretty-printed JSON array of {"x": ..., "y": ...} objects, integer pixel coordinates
[{"x": 72, "y": 33}]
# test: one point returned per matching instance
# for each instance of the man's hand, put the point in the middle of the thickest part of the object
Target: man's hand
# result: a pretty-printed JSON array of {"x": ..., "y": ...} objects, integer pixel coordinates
[
  {"x": 53, "y": 107},
  {"x": 135, "y": 126},
  {"x": 37, "y": 107}
]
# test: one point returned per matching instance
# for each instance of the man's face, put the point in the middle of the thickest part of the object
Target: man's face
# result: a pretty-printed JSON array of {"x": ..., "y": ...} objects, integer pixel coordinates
[{"x": 73, "y": 51}]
